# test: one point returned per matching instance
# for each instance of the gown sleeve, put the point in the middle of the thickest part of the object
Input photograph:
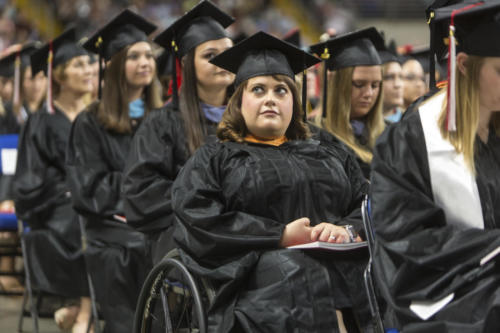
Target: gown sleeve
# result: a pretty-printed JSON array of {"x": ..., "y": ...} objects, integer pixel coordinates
[
  {"x": 95, "y": 186},
  {"x": 156, "y": 157},
  {"x": 205, "y": 227},
  {"x": 39, "y": 180},
  {"x": 418, "y": 256}
]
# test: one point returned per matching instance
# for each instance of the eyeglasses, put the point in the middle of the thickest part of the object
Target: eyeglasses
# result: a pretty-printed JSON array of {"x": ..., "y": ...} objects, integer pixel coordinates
[{"x": 413, "y": 77}]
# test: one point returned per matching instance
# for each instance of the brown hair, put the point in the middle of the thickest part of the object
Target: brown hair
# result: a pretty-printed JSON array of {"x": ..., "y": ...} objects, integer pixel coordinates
[
  {"x": 233, "y": 128},
  {"x": 17, "y": 108},
  {"x": 189, "y": 104},
  {"x": 58, "y": 74},
  {"x": 112, "y": 112},
  {"x": 338, "y": 114},
  {"x": 467, "y": 111}
]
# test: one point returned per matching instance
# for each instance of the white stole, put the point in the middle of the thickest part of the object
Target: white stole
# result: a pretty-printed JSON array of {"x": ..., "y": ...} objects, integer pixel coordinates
[{"x": 453, "y": 185}]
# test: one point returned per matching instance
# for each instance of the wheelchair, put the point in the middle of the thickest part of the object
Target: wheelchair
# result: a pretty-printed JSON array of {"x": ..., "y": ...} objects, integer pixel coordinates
[{"x": 171, "y": 299}]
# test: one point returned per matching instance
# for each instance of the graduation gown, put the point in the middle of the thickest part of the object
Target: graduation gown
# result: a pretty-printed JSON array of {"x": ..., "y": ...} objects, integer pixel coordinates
[
  {"x": 117, "y": 255},
  {"x": 158, "y": 152},
  {"x": 419, "y": 254},
  {"x": 42, "y": 200},
  {"x": 232, "y": 202}
]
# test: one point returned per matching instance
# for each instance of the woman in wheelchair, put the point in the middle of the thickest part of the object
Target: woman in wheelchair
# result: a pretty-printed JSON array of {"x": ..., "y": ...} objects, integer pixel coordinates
[
  {"x": 263, "y": 186},
  {"x": 41, "y": 193},
  {"x": 117, "y": 256},
  {"x": 435, "y": 190}
]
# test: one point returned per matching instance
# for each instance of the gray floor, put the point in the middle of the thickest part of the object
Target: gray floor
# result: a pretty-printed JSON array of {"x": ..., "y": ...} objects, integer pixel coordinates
[{"x": 9, "y": 315}]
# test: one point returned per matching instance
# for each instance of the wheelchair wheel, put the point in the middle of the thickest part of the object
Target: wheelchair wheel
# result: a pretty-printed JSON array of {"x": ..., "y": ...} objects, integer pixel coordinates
[{"x": 170, "y": 301}]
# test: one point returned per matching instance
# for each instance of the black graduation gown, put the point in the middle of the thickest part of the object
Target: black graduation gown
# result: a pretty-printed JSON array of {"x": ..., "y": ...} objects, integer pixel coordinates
[
  {"x": 117, "y": 256},
  {"x": 158, "y": 152},
  {"x": 232, "y": 202},
  {"x": 418, "y": 255},
  {"x": 42, "y": 200}
]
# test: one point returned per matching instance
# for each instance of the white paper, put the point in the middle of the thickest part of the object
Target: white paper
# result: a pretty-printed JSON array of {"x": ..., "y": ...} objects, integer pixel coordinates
[
  {"x": 490, "y": 256},
  {"x": 331, "y": 246},
  {"x": 425, "y": 309},
  {"x": 9, "y": 159}
]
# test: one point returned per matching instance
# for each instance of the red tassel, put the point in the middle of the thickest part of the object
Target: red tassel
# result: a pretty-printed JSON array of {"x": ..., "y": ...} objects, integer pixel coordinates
[{"x": 179, "y": 77}]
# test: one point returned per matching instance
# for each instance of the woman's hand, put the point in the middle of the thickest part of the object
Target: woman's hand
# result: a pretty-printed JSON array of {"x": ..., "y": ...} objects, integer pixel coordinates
[
  {"x": 327, "y": 232},
  {"x": 296, "y": 232}
]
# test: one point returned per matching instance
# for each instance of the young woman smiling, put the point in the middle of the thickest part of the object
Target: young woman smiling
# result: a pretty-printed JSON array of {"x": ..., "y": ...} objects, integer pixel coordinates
[{"x": 99, "y": 144}]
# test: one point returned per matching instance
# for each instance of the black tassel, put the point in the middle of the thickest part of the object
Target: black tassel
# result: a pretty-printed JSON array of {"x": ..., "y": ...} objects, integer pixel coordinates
[
  {"x": 304, "y": 94},
  {"x": 175, "y": 93},
  {"x": 325, "y": 87}
]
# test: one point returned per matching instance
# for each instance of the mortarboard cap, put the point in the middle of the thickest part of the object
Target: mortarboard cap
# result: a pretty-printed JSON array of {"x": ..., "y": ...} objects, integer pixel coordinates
[
  {"x": 125, "y": 29},
  {"x": 293, "y": 37},
  {"x": 63, "y": 48},
  {"x": 388, "y": 53},
  {"x": 470, "y": 28},
  {"x": 358, "y": 48},
  {"x": 239, "y": 37},
  {"x": 263, "y": 54},
  {"x": 421, "y": 55},
  {"x": 202, "y": 23},
  {"x": 476, "y": 28},
  {"x": 7, "y": 63}
]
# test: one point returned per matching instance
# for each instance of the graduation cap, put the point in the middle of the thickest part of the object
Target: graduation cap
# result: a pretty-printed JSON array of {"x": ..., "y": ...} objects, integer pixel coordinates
[
  {"x": 124, "y": 29},
  {"x": 58, "y": 51},
  {"x": 203, "y": 23},
  {"x": 8, "y": 63},
  {"x": 14, "y": 64},
  {"x": 434, "y": 46},
  {"x": 470, "y": 28},
  {"x": 389, "y": 53},
  {"x": 421, "y": 55},
  {"x": 263, "y": 54},
  {"x": 293, "y": 37},
  {"x": 239, "y": 37},
  {"x": 358, "y": 48},
  {"x": 54, "y": 53}
]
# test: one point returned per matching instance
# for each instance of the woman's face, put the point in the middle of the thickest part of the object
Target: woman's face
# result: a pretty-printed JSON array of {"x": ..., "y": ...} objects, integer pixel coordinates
[
  {"x": 267, "y": 107},
  {"x": 34, "y": 87},
  {"x": 209, "y": 76},
  {"x": 78, "y": 75},
  {"x": 7, "y": 89},
  {"x": 393, "y": 86},
  {"x": 366, "y": 81},
  {"x": 140, "y": 65},
  {"x": 489, "y": 84}
]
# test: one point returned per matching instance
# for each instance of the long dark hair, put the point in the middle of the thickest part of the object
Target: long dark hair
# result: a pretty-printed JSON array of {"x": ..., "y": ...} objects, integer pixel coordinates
[{"x": 112, "y": 112}]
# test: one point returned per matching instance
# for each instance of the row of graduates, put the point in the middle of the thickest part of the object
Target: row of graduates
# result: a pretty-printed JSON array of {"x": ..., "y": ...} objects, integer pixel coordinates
[{"x": 243, "y": 194}]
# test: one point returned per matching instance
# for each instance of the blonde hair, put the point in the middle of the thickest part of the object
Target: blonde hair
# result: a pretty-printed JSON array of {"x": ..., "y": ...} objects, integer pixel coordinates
[
  {"x": 338, "y": 113},
  {"x": 467, "y": 112}
]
